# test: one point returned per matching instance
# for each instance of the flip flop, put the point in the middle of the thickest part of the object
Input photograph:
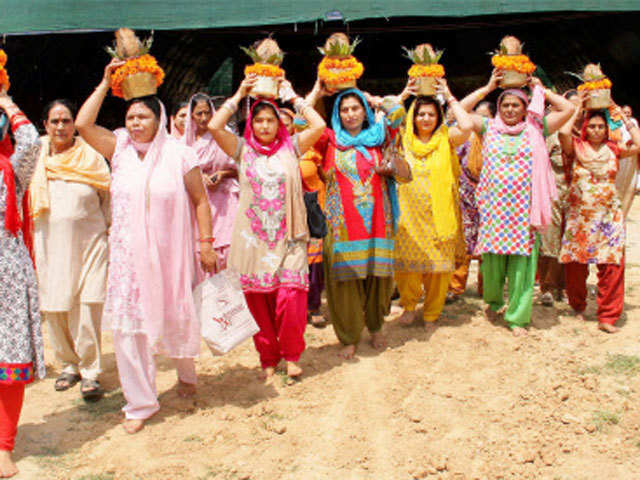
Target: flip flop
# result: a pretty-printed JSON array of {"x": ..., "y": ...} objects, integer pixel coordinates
[
  {"x": 91, "y": 390},
  {"x": 65, "y": 381}
]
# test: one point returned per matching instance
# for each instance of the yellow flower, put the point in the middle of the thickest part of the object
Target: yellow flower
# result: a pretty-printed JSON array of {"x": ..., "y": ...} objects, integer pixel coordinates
[
  {"x": 518, "y": 63},
  {"x": 334, "y": 71},
  {"x": 433, "y": 70},
  {"x": 602, "y": 84},
  {"x": 264, "y": 70}
]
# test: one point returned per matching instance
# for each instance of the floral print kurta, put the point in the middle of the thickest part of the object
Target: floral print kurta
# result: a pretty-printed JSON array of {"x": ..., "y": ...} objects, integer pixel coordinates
[
  {"x": 21, "y": 346},
  {"x": 594, "y": 230}
]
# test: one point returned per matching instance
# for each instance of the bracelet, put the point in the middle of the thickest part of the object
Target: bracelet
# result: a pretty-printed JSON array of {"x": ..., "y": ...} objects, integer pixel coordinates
[
  {"x": 207, "y": 240},
  {"x": 16, "y": 117},
  {"x": 229, "y": 105}
]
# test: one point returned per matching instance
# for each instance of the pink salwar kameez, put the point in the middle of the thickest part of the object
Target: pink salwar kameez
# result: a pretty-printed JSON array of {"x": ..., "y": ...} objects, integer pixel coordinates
[
  {"x": 224, "y": 197},
  {"x": 152, "y": 266}
]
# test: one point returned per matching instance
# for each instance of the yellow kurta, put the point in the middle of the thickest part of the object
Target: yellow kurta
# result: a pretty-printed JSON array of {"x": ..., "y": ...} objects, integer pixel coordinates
[{"x": 417, "y": 245}]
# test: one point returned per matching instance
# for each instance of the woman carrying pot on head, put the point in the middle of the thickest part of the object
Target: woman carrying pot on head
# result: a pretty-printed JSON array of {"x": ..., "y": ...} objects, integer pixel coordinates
[
  {"x": 21, "y": 347},
  {"x": 219, "y": 173},
  {"x": 594, "y": 232},
  {"x": 358, "y": 250},
  {"x": 156, "y": 194},
  {"x": 70, "y": 208},
  {"x": 270, "y": 233},
  {"x": 515, "y": 193},
  {"x": 429, "y": 236}
]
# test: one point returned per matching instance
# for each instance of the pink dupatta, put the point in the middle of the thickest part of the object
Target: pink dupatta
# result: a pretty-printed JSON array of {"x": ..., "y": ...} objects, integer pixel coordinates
[
  {"x": 162, "y": 242},
  {"x": 543, "y": 185}
]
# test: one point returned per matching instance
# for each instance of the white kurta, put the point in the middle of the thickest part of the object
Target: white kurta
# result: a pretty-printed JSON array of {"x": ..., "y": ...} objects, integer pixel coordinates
[{"x": 70, "y": 244}]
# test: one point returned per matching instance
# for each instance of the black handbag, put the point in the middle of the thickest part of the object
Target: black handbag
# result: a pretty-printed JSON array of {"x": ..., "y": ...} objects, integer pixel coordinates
[{"x": 316, "y": 221}]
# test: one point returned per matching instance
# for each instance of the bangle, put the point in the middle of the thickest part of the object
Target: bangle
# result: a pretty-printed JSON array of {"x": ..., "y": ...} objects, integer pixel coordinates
[
  {"x": 229, "y": 105},
  {"x": 207, "y": 240},
  {"x": 18, "y": 114}
]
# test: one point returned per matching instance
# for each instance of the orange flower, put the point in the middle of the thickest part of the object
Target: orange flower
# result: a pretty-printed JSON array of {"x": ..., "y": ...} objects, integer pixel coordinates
[
  {"x": 144, "y": 63},
  {"x": 264, "y": 70},
  {"x": 519, "y": 63},
  {"x": 4, "y": 76},
  {"x": 334, "y": 71},
  {"x": 602, "y": 84},
  {"x": 433, "y": 70}
]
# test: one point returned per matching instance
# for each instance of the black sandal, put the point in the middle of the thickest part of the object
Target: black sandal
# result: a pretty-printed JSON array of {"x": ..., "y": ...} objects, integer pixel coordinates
[
  {"x": 65, "y": 381},
  {"x": 91, "y": 390}
]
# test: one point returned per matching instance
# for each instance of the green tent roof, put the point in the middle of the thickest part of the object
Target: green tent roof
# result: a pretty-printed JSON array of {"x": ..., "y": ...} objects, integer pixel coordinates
[{"x": 31, "y": 16}]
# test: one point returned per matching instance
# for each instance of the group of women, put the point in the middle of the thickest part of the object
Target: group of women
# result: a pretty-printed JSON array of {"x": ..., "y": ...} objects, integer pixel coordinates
[{"x": 408, "y": 198}]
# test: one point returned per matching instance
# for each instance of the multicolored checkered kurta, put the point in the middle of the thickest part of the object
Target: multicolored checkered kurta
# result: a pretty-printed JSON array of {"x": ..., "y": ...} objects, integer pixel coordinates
[{"x": 504, "y": 194}]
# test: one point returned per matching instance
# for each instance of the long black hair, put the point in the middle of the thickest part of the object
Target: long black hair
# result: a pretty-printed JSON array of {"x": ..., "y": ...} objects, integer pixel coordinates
[{"x": 427, "y": 100}]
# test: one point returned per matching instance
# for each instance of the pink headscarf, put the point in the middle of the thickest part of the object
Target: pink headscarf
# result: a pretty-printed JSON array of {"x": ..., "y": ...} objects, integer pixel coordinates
[
  {"x": 163, "y": 240},
  {"x": 283, "y": 139},
  {"x": 543, "y": 185}
]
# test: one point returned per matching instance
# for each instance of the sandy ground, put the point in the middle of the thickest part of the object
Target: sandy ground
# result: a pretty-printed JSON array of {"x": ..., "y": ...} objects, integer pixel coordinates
[{"x": 463, "y": 400}]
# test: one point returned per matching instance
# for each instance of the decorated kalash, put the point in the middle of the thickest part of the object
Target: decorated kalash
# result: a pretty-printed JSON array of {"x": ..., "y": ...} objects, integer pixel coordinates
[
  {"x": 267, "y": 57},
  {"x": 515, "y": 66},
  {"x": 339, "y": 69},
  {"x": 425, "y": 68},
  {"x": 4, "y": 76},
  {"x": 598, "y": 85},
  {"x": 141, "y": 75}
]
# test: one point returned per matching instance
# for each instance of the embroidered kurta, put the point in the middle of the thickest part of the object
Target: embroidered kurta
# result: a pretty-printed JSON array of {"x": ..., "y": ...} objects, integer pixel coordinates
[
  {"x": 417, "y": 245},
  {"x": 21, "y": 346},
  {"x": 264, "y": 248},
  {"x": 358, "y": 207},
  {"x": 504, "y": 193},
  {"x": 70, "y": 244},
  {"x": 594, "y": 230}
]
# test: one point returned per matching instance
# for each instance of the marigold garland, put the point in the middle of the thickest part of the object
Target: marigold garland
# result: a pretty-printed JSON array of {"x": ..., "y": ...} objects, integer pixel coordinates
[
  {"x": 602, "y": 84},
  {"x": 433, "y": 70},
  {"x": 349, "y": 69},
  {"x": 518, "y": 63},
  {"x": 264, "y": 70},
  {"x": 4, "y": 76},
  {"x": 144, "y": 63}
]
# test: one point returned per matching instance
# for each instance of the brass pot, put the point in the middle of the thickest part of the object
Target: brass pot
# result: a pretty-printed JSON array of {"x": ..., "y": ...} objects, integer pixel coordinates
[
  {"x": 343, "y": 85},
  {"x": 599, "y": 99},
  {"x": 266, "y": 87},
  {"x": 513, "y": 79},
  {"x": 427, "y": 86},
  {"x": 138, "y": 85}
]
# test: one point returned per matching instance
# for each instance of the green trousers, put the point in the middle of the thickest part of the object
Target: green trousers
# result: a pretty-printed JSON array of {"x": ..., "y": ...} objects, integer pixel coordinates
[
  {"x": 356, "y": 303},
  {"x": 520, "y": 271}
]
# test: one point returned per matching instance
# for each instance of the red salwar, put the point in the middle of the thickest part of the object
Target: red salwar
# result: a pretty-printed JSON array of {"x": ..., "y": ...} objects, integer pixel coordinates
[
  {"x": 610, "y": 289},
  {"x": 282, "y": 317},
  {"x": 11, "y": 398}
]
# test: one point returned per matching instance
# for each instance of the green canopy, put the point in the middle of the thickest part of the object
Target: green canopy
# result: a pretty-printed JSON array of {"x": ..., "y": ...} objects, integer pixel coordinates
[{"x": 33, "y": 16}]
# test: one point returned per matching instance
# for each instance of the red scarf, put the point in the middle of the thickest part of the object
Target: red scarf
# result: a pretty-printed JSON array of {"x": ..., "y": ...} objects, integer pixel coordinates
[
  {"x": 12, "y": 221},
  {"x": 283, "y": 139},
  {"x": 609, "y": 142}
]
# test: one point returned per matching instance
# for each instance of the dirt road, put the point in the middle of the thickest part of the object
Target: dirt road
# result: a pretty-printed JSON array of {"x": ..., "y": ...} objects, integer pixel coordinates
[{"x": 464, "y": 400}]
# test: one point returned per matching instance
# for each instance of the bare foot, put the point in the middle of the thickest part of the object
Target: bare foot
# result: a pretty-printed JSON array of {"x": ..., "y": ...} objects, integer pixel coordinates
[
  {"x": 492, "y": 316},
  {"x": 293, "y": 370},
  {"x": 407, "y": 318},
  {"x": 186, "y": 390},
  {"x": 132, "y": 425},
  {"x": 268, "y": 374},
  {"x": 580, "y": 316},
  {"x": 348, "y": 352},
  {"x": 7, "y": 467},
  {"x": 606, "y": 327},
  {"x": 519, "y": 332},
  {"x": 378, "y": 341}
]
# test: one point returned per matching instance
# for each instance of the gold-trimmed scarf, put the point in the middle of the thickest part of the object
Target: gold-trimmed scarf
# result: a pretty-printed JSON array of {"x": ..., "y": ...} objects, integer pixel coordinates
[
  {"x": 80, "y": 163},
  {"x": 445, "y": 171}
]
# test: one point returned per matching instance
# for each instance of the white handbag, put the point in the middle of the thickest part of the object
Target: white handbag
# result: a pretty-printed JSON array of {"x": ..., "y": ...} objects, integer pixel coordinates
[{"x": 225, "y": 318}]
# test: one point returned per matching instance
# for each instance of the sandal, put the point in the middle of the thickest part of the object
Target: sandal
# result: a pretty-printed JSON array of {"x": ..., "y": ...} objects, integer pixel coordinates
[
  {"x": 91, "y": 390},
  {"x": 65, "y": 381}
]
